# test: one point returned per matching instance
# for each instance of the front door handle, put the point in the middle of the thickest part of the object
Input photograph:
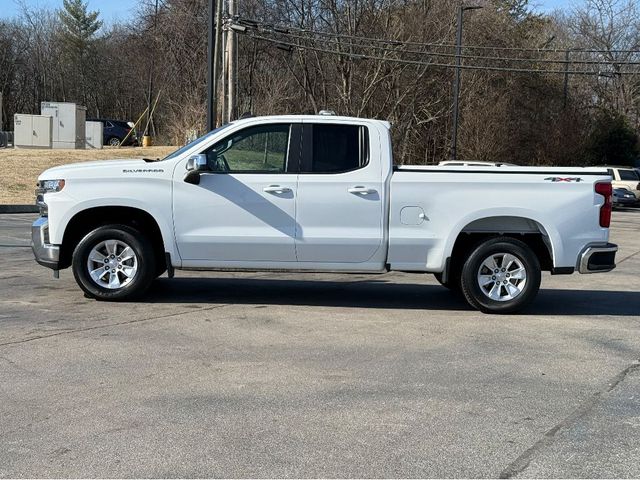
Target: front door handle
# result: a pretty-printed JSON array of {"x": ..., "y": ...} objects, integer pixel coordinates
[
  {"x": 276, "y": 189},
  {"x": 360, "y": 190}
]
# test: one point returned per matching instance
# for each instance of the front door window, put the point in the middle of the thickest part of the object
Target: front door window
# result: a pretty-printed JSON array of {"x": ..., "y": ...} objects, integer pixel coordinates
[{"x": 262, "y": 149}]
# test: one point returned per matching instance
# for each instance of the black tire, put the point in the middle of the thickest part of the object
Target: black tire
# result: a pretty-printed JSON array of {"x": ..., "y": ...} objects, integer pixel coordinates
[
  {"x": 470, "y": 281},
  {"x": 113, "y": 141},
  {"x": 133, "y": 286}
]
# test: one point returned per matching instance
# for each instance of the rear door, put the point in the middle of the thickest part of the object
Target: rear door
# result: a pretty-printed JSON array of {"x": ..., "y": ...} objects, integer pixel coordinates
[{"x": 340, "y": 205}]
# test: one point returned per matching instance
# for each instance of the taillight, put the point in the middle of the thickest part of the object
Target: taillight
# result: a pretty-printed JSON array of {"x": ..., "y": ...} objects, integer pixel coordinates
[{"x": 606, "y": 190}]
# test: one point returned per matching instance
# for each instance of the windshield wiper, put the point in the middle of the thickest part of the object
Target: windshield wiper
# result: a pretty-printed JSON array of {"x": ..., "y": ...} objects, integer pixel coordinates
[{"x": 151, "y": 160}]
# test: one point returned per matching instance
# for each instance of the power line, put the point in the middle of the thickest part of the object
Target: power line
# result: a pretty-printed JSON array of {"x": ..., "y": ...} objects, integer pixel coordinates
[
  {"x": 431, "y": 64},
  {"x": 453, "y": 55},
  {"x": 287, "y": 29}
]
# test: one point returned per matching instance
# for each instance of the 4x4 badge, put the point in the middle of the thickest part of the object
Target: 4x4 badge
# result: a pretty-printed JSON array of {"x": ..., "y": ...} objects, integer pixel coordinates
[{"x": 564, "y": 179}]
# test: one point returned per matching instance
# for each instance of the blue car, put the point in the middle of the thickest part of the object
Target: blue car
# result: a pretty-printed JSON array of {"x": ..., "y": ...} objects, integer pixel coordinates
[
  {"x": 115, "y": 131},
  {"x": 623, "y": 197}
]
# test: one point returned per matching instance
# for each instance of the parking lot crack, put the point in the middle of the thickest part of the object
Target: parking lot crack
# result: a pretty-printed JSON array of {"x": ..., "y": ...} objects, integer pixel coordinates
[
  {"x": 108, "y": 325},
  {"x": 522, "y": 462},
  {"x": 15, "y": 365},
  {"x": 628, "y": 257}
]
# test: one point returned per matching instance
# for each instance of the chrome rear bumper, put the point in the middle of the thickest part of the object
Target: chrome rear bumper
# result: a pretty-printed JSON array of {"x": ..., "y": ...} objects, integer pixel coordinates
[
  {"x": 598, "y": 258},
  {"x": 46, "y": 254}
]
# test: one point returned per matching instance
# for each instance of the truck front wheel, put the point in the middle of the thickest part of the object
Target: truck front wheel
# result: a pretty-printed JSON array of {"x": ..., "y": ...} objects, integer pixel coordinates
[
  {"x": 501, "y": 275},
  {"x": 114, "y": 262}
]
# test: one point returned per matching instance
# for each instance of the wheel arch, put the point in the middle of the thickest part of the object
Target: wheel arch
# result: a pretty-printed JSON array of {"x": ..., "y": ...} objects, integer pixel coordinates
[
  {"x": 86, "y": 220},
  {"x": 544, "y": 241}
]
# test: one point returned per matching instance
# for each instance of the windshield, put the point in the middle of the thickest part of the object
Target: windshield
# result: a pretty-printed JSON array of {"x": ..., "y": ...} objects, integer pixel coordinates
[{"x": 189, "y": 145}]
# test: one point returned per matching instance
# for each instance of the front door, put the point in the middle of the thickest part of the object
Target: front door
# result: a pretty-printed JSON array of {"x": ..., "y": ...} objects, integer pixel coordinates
[{"x": 243, "y": 211}]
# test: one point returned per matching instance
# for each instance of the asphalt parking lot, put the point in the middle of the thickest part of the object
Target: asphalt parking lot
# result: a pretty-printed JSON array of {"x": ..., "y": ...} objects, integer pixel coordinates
[{"x": 318, "y": 375}]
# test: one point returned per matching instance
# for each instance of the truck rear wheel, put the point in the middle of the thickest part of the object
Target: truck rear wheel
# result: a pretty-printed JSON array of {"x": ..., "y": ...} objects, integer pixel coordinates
[
  {"x": 501, "y": 275},
  {"x": 114, "y": 262}
]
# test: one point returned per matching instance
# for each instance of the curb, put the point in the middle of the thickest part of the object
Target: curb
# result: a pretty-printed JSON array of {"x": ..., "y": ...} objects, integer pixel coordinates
[{"x": 19, "y": 209}]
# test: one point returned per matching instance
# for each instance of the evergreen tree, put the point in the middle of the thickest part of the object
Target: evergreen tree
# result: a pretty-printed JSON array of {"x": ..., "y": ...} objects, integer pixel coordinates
[
  {"x": 78, "y": 36},
  {"x": 79, "y": 26},
  {"x": 517, "y": 9}
]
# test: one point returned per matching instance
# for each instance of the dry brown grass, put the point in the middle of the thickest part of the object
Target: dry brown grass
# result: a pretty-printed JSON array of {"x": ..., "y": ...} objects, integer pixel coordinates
[{"x": 20, "y": 168}]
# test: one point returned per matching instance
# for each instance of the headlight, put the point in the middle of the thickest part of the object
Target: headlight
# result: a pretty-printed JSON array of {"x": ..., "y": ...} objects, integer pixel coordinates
[{"x": 47, "y": 186}]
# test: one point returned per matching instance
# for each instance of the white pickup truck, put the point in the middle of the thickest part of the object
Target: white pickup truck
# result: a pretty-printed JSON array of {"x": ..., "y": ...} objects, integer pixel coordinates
[{"x": 320, "y": 193}]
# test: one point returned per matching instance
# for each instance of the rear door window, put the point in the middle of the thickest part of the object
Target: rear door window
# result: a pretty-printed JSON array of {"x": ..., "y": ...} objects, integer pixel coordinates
[
  {"x": 334, "y": 148},
  {"x": 629, "y": 175}
]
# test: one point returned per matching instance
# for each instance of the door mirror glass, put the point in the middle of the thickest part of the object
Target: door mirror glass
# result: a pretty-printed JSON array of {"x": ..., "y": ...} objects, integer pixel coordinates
[{"x": 197, "y": 163}]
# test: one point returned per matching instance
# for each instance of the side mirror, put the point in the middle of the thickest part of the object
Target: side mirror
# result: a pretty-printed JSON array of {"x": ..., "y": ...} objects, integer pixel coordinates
[
  {"x": 195, "y": 165},
  {"x": 197, "y": 162}
]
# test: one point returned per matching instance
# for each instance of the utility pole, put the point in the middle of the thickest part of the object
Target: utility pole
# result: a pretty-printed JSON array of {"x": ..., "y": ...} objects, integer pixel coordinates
[
  {"x": 213, "y": 52},
  {"x": 225, "y": 65},
  {"x": 211, "y": 73},
  {"x": 152, "y": 68},
  {"x": 456, "y": 81},
  {"x": 232, "y": 69},
  {"x": 566, "y": 78}
]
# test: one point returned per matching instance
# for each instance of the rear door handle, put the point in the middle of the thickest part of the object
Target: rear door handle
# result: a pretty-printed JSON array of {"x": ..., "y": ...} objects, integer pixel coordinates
[
  {"x": 360, "y": 190},
  {"x": 276, "y": 189}
]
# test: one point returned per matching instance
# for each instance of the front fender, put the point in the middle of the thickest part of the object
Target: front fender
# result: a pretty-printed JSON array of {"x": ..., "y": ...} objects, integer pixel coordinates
[{"x": 63, "y": 208}]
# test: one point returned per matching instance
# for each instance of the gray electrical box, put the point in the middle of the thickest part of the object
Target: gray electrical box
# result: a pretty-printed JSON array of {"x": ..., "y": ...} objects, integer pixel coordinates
[
  {"x": 93, "y": 134},
  {"x": 32, "y": 131},
  {"x": 68, "y": 123}
]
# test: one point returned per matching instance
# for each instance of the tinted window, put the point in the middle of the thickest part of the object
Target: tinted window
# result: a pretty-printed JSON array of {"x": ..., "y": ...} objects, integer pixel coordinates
[
  {"x": 628, "y": 175},
  {"x": 338, "y": 148},
  {"x": 255, "y": 149}
]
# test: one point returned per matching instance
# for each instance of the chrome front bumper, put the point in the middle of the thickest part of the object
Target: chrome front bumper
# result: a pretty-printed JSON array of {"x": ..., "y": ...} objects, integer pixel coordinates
[
  {"x": 46, "y": 254},
  {"x": 598, "y": 258}
]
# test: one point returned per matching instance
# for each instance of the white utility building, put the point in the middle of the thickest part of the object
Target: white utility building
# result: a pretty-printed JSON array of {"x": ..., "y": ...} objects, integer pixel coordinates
[
  {"x": 68, "y": 123},
  {"x": 93, "y": 134},
  {"x": 32, "y": 131}
]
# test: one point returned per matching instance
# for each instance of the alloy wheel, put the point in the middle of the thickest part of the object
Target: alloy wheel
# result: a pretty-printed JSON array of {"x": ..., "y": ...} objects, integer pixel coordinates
[
  {"x": 502, "y": 277},
  {"x": 112, "y": 264}
]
